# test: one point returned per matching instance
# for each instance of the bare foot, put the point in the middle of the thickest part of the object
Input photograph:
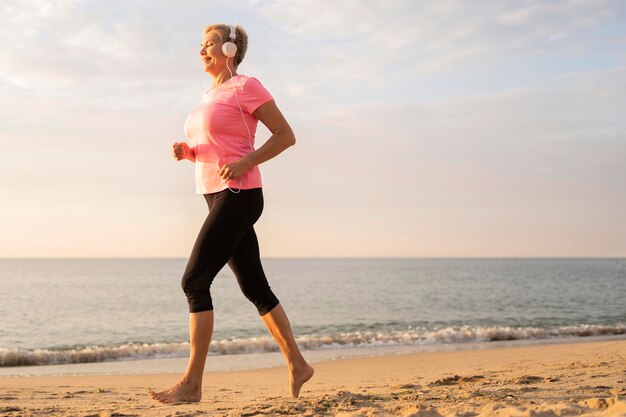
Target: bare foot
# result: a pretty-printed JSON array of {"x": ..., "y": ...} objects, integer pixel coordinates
[
  {"x": 183, "y": 392},
  {"x": 298, "y": 377}
]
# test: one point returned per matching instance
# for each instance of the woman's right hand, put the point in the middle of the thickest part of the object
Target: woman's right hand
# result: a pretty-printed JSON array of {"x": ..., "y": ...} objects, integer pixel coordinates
[{"x": 181, "y": 151}]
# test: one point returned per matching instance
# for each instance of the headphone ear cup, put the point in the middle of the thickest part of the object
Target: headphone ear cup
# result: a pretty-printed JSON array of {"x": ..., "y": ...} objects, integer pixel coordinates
[{"x": 229, "y": 49}]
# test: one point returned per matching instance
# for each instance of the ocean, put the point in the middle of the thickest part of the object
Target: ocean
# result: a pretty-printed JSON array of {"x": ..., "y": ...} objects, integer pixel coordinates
[{"x": 75, "y": 316}]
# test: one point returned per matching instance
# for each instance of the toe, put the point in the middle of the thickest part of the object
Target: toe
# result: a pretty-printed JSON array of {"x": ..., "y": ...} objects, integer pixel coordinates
[{"x": 157, "y": 396}]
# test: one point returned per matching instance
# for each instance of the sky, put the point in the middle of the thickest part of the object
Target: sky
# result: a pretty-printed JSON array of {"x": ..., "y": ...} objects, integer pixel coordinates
[{"x": 423, "y": 128}]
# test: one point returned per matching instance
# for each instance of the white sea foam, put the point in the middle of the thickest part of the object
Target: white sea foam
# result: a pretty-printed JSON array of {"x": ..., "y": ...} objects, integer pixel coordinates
[{"x": 418, "y": 336}]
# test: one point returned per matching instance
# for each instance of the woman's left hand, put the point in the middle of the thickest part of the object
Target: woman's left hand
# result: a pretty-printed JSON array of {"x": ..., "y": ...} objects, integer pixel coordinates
[{"x": 234, "y": 170}]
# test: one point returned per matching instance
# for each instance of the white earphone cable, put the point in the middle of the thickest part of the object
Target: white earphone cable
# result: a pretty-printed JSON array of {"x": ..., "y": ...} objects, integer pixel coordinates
[{"x": 244, "y": 123}]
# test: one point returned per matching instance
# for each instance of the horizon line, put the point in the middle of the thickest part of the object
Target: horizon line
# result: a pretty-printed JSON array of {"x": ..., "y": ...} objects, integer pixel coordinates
[{"x": 331, "y": 257}]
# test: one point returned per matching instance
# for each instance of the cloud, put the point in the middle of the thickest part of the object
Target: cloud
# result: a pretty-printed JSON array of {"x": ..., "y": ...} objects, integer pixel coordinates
[
  {"x": 436, "y": 35},
  {"x": 556, "y": 144},
  {"x": 98, "y": 51},
  {"x": 436, "y": 117},
  {"x": 124, "y": 52}
]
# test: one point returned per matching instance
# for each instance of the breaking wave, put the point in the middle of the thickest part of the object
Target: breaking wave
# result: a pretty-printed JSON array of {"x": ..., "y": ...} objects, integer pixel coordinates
[{"x": 417, "y": 336}]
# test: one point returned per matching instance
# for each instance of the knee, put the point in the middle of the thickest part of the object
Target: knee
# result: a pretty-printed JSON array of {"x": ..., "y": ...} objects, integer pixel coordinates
[
  {"x": 198, "y": 296},
  {"x": 262, "y": 297},
  {"x": 186, "y": 283},
  {"x": 196, "y": 281}
]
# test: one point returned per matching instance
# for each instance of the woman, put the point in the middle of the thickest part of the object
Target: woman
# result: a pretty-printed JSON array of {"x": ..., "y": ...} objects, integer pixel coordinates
[{"x": 221, "y": 130}]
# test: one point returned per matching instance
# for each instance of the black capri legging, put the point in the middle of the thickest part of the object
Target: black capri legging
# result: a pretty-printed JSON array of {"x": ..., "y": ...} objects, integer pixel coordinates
[{"x": 227, "y": 235}]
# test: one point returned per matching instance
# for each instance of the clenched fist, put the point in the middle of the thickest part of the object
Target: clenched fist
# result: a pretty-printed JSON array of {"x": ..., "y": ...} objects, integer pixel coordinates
[{"x": 181, "y": 151}]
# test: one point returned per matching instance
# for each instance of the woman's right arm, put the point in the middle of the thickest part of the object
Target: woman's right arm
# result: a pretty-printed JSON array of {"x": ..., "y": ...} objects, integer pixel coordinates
[{"x": 182, "y": 151}]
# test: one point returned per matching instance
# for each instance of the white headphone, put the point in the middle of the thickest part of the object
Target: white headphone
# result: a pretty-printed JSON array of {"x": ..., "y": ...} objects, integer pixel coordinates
[{"x": 229, "y": 48}]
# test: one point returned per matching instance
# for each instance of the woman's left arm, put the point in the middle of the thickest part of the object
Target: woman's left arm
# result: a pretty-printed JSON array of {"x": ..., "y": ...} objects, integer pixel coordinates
[{"x": 282, "y": 138}]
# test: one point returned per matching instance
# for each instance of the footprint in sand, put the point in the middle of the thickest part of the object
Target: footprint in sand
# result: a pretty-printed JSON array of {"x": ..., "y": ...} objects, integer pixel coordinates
[
  {"x": 453, "y": 380},
  {"x": 472, "y": 378},
  {"x": 449, "y": 380},
  {"x": 528, "y": 379},
  {"x": 406, "y": 386}
]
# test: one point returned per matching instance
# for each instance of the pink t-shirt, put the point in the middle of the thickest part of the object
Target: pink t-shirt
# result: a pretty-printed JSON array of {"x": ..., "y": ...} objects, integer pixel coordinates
[{"x": 218, "y": 136}]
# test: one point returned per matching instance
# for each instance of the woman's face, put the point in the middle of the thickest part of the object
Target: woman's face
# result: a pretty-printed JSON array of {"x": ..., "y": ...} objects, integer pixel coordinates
[{"x": 211, "y": 51}]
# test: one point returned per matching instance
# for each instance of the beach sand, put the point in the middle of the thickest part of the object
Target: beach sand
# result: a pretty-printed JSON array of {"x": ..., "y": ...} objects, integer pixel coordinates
[{"x": 585, "y": 378}]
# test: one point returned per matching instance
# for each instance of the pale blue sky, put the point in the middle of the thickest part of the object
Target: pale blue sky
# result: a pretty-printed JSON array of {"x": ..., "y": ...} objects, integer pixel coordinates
[{"x": 424, "y": 128}]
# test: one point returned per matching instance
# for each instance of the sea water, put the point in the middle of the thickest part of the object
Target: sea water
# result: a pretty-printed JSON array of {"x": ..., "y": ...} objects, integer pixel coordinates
[{"x": 130, "y": 315}]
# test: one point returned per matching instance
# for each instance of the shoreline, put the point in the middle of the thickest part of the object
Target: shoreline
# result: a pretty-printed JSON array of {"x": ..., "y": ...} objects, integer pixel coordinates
[
  {"x": 251, "y": 361},
  {"x": 587, "y": 378}
]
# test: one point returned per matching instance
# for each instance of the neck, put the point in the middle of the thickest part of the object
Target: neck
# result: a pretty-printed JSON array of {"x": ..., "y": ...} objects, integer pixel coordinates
[{"x": 223, "y": 75}]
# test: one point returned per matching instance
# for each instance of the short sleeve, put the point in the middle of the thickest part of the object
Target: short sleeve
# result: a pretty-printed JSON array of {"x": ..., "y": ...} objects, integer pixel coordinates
[{"x": 254, "y": 95}]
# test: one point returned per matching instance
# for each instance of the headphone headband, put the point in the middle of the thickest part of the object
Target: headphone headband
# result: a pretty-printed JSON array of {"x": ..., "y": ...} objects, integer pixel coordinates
[{"x": 230, "y": 48}]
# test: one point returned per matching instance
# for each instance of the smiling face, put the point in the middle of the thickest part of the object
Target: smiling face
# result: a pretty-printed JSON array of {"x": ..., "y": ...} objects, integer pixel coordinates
[{"x": 211, "y": 52}]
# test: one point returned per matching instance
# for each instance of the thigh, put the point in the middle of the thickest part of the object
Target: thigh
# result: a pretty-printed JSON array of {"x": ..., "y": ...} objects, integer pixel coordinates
[
  {"x": 245, "y": 261},
  {"x": 229, "y": 219}
]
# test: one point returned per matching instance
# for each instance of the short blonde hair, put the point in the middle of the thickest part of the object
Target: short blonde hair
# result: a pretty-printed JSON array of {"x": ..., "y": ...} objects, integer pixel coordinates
[{"x": 241, "y": 38}]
